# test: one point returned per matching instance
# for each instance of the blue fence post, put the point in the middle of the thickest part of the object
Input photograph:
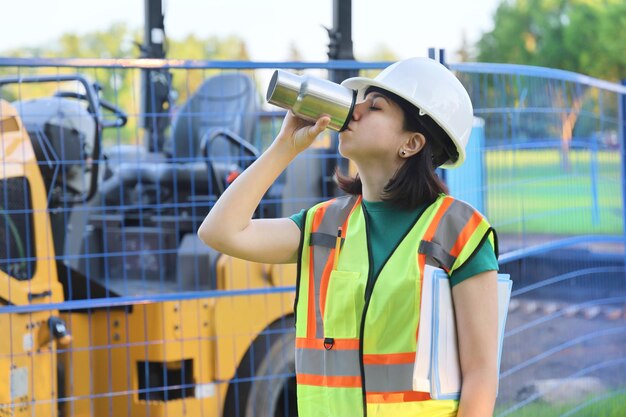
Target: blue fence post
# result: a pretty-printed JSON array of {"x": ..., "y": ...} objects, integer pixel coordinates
[
  {"x": 467, "y": 182},
  {"x": 622, "y": 141},
  {"x": 593, "y": 162}
]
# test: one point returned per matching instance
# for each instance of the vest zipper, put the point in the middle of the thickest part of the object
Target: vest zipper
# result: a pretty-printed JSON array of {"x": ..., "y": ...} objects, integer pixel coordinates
[
  {"x": 368, "y": 296},
  {"x": 365, "y": 307}
]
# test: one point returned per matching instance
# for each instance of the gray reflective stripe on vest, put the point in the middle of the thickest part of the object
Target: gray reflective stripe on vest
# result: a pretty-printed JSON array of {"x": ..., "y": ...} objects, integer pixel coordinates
[
  {"x": 323, "y": 239},
  {"x": 334, "y": 216},
  {"x": 438, "y": 253},
  {"x": 328, "y": 362},
  {"x": 389, "y": 378},
  {"x": 451, "y": 224},
  {"x": 448, "y": 230}
]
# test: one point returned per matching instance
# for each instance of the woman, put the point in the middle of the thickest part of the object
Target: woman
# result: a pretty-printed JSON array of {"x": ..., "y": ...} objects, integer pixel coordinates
[{"x": 361, "y": 257}]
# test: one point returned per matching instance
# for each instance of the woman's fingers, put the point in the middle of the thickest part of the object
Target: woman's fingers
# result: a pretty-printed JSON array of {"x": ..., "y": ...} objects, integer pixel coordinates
[
  {"x": 306, "y": 134},
  {"x": 299, "y": 134},
  {"x": 319, "y": 126}
]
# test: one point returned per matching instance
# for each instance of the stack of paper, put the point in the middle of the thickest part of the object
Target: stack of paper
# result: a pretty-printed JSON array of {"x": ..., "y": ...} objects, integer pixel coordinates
[{"x": 437, "y": 369}]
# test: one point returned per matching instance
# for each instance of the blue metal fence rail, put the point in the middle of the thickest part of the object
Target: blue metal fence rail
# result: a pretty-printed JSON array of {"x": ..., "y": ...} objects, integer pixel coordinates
[{"x": 147, "y": 302}]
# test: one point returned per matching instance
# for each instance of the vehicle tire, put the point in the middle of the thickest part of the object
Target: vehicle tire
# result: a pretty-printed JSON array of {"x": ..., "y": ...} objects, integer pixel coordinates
[
  {"x": 269, "y": 391},
  {"x": 273, "y": 393},
  {"x": 61, "y": 397}
]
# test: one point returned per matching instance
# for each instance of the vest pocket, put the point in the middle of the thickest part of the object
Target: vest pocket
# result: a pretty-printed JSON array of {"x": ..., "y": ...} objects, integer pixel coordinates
[{"x": 340, "y": 308}]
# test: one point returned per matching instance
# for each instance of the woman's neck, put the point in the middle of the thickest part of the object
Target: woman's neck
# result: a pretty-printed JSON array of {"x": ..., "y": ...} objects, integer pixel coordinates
[{"x": 374, "y": 179}]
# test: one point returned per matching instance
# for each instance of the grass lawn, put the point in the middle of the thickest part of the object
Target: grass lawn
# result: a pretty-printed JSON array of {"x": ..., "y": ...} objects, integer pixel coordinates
[
  {"x": 611, "y": 404},
  {"x": 530, "y": 191}
]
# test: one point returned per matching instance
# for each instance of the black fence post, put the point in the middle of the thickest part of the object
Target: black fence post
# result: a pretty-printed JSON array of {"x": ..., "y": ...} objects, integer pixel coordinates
[
  {"x": 155, "y": 83},
  {"x": 339, "y": 48}
]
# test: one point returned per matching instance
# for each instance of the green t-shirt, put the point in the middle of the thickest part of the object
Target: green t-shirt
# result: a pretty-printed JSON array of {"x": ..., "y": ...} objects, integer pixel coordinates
[{"x": 388, "y": 224}]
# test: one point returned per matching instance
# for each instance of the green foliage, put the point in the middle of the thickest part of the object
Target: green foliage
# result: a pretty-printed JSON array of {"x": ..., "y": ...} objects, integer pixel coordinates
[
  {"x": 577, "y": 35},
  {"x": 192, "y": 47},
  {"x": 114, "y": 42},
  {"x": 380, "y": 53},
  {"x": 185, "y": 82},
  {"x": 121, "y": 86}
]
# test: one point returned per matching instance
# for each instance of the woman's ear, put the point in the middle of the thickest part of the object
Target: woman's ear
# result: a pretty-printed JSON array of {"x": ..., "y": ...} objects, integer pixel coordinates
[{"x": 412, "y": 145}]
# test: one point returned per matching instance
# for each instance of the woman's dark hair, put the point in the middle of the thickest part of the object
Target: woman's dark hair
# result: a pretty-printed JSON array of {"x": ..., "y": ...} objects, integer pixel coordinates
[{"x": 416, "y": 182}]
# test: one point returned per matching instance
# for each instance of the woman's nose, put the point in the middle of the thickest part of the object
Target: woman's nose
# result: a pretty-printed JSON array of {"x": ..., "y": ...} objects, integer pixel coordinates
[{"x": 358, "y": 109}]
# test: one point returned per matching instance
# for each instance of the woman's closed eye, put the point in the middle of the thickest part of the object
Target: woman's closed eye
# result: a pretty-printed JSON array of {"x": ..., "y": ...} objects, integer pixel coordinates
[
  {"x": 375, "y": 104},
  {"x": 378, "y": 103}
]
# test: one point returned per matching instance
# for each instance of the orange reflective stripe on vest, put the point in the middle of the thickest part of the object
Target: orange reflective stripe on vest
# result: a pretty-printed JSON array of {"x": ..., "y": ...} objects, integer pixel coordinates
[
  {"x": 455, "y": 224},
  {"x": 388, "y": 359},
  {"x": 339, "y": 344},
  {"x": 396, "y": 397},
  {"x": 325, "y": 221},
  {"x": 428, "y": 236},
  {"x": 312, "y": 322},
  {"x": 329, "y": 381}
]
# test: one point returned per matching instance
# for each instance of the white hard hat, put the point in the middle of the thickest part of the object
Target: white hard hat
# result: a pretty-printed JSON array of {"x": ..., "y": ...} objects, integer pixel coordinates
[{"x": 434, "y": 90}]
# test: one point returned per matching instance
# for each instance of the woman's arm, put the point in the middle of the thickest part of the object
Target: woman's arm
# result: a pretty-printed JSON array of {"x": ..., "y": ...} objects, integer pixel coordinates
[
  {"x": 229, "y": 227},
  {"x": 476, "y": 310}
]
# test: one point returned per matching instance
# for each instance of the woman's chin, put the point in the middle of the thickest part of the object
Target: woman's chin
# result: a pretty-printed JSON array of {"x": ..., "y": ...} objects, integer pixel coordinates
[
  {"x": 348, "y": 147},
  {"x": 343, "y": 149}
]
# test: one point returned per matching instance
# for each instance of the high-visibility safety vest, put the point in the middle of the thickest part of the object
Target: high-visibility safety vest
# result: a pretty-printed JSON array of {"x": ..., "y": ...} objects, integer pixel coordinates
[{"x": 355, "y": 356}]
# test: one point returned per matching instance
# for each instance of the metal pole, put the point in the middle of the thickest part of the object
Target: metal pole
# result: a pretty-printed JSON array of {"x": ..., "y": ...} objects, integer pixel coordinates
[
  {"x": 439, "y": 55},
  {"x": 339, "y": 48},
  {"x": 156, "y": 83},
  {"x": 442, "y": 56}
]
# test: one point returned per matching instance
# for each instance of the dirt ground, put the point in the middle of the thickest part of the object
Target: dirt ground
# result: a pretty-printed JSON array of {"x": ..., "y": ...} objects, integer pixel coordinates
[{"x": 590, "y": 343}]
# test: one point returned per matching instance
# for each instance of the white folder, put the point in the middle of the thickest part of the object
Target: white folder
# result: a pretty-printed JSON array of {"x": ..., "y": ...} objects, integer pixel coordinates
[{"x": 437, "y": 369}]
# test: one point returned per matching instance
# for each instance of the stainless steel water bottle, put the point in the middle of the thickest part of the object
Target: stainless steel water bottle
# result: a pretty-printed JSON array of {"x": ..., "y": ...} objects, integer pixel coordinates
[{"x": 309, "y": 98}]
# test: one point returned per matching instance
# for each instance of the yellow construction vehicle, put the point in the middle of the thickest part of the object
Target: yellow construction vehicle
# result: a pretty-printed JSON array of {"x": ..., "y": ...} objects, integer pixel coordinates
[{"x": 109, "y": 303}]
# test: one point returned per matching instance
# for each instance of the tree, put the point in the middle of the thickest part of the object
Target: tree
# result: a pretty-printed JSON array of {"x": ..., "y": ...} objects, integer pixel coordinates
[
  {"x": 121, "y": 86},
  {"x": 381, "y": 53},
  {"x": 464, "y": 52},
  {"x": 575, "y": 35},
  {"x": 184, "y": 81}
]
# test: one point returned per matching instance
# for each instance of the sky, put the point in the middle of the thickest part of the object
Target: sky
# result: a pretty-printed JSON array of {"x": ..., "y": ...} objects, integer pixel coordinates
[{"x": 268, "y": 27}]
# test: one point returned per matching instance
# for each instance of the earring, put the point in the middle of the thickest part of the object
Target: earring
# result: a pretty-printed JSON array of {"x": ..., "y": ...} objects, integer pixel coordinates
[{"x": 402, "y": 153}]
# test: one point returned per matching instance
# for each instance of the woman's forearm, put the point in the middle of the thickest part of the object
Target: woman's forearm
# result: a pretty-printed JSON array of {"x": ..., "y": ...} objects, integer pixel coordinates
[
  {"x": 223, "y": 227},
  {"x": 476, "y": 310},
  {"x": 235, "y": 207},
  {"x": 478, "y": 394}
]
